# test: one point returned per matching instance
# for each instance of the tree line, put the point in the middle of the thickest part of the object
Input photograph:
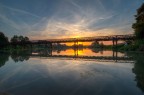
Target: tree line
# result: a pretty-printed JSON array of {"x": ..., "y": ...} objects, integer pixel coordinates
[{"x": 13, "y": 41}]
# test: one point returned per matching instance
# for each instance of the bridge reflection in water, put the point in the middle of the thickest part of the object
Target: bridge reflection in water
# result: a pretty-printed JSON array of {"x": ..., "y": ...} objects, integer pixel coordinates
[{"x": 86, "y": 54}]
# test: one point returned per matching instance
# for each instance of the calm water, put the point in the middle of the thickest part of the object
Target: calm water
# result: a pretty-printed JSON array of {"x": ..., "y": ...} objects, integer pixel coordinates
[{"x": 71, "y": 72}]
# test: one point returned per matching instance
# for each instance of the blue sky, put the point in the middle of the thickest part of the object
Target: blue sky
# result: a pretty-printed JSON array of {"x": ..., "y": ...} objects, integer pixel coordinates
[{"x": 46, "y": 19}]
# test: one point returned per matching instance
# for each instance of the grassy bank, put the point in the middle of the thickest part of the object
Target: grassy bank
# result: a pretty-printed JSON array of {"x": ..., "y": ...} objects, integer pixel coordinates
[{"x": 138, "y": 45}]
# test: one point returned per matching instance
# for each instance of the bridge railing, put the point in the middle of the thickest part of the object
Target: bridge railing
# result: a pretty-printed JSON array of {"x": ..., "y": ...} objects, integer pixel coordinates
[{"x": 110, "y": 37}]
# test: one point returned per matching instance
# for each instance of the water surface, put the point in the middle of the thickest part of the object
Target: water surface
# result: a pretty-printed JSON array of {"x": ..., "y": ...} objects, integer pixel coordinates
[{"x": 41, "y": 73}]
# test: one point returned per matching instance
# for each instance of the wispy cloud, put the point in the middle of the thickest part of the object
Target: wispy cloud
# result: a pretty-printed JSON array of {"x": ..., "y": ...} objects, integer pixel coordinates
[
  {"x": 71, "y": 18},
  {"x": 76, "y": 22},
  {"x": 18, "y": 21},
  {"x": 19, "y": 10}
]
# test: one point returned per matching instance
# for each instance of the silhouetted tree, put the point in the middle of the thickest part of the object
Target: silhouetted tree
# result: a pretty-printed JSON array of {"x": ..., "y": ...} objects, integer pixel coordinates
[
  {"x": 3, "y": 40},
  {"x": 96, "y": 44},
  {"x": 19, "y": 40},
  {"x": 138, "y": 26},
  {"x": 16, "y": 39},
  {"x": 26, "y": 39}
]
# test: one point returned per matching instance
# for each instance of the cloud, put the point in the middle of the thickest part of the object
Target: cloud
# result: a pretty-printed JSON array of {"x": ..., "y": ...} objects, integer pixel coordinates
[
  {"x": 19, "y": 10},
  {"x": 71, "y": 21},
  {"x": 72, "y": 18},
  {"x": 18, "y": 22}
]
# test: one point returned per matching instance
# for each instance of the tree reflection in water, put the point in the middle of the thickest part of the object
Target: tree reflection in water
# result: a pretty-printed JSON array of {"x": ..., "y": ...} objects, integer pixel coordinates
[
  {"x": 4, "y": 57},
  {"x": 97, "y": 50},
  {"x": 139, "y": 69},
  {"x": 20, "y": 55}
]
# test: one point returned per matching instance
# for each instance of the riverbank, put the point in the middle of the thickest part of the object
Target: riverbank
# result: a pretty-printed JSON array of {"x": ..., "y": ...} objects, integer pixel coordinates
[
  {"x": 135, "y": 46},
  {"x": 138, "y": 45}
]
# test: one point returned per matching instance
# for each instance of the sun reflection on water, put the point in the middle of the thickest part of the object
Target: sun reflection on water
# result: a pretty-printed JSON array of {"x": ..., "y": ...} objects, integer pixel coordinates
[{"x": 86, "y": 52}]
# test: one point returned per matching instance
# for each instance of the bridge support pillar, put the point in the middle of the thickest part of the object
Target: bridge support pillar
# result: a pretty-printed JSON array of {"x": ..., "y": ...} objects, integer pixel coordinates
[
  {"x": 115, "y": 55},
  {"x": 76, "y": 44},
  {"x": 76, "y": 48},
  {"x": 115, "y": 41},
  {"x": 31, "y": 46},
  {"x": 51, "y": 51},
  {"x": 50, "y": 45}
]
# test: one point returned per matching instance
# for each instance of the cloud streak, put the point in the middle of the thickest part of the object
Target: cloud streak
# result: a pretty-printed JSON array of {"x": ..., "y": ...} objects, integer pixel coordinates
[
  {"x": 18, "y": 21},
  {"x": 71, "y": 18},
  {"x": 75, "y": 23}
]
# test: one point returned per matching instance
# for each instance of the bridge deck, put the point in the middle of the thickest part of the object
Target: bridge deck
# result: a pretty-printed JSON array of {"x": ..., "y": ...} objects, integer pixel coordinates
[{"x": 87, "y": 39}]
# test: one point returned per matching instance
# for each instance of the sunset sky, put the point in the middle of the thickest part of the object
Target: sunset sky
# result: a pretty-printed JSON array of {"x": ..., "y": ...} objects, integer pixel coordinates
[{"x": 46, "y": 19}]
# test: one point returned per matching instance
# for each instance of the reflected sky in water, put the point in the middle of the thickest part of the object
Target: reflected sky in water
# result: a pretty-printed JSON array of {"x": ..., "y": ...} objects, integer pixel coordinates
[
  {"x": 66, "y": 77},
  {"x": 55, "y": 76}
]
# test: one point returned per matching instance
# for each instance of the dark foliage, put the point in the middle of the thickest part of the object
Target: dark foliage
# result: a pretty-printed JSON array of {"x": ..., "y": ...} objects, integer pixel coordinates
[
  {"x": 3, "y": 58},
  {"x": 3, "y": 40},
  {"x": 19, "y": 39},
  {"x": 138, "y": 26}
]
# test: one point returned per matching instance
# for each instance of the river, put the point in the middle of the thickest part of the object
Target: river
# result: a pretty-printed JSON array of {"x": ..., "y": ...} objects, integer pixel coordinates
[{"x": 71, "y": 72}]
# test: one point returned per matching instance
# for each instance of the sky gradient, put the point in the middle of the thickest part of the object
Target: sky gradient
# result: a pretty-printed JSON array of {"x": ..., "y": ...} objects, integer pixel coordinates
[{"x": 46, "y": 19}]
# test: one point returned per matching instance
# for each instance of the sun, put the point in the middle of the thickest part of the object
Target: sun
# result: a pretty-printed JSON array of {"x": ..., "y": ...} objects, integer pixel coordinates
[{"x": 76, "y": 37}]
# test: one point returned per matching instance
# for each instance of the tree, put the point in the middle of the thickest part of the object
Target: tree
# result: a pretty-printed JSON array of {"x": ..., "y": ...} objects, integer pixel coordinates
[
  {"x": 26, "y": 39},
  {"x": 138, "y": 26},
  {"x": 15, "y": 39},
  {"x": 95, "y": 44},
  {"x": 19, "y": 39},
  {"x": 3, "y": 40}
]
